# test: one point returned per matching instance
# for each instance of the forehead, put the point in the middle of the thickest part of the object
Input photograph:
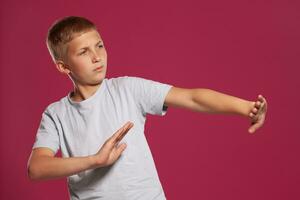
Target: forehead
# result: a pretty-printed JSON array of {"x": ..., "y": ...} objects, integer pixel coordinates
[{"x": 82, "y": 40}]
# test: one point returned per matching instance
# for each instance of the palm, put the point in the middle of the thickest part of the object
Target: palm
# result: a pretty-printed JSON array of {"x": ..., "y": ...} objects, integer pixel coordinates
[
  {"x": 111, "y": 150},
  {"x": 109, "y": 155}
]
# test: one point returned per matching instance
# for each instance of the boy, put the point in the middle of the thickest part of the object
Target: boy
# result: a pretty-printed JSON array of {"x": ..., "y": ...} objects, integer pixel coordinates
[{"x": 81, "y": 124}]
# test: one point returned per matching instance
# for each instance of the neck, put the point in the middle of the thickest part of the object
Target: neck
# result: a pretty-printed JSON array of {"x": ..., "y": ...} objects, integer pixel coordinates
[{"x": 82, "y": 92}]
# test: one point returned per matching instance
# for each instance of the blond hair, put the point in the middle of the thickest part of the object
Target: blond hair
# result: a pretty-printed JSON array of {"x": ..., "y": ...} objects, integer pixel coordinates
[{"x": 63, "y": 31}]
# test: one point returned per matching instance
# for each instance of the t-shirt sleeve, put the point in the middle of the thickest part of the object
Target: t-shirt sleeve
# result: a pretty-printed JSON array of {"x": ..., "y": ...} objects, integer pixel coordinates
[
  {"x": 47, "y": 133},
  {"x": 149, "y": 95}
]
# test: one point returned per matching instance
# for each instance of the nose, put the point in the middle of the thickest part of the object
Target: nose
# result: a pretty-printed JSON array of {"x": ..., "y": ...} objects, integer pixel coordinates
[{"x": 95, "y": 57}]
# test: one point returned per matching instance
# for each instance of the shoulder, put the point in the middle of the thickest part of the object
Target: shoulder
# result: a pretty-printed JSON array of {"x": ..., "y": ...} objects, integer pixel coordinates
[{"x": 56, "y": 107}]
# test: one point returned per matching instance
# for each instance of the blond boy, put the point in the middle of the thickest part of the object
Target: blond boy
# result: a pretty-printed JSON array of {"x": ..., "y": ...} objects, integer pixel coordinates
[{"x": 83, "y": 124}]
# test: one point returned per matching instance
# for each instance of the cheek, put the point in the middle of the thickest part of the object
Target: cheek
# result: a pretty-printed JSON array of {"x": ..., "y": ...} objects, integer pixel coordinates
[
  {"x": 103, "y": 52},
  {"x": 80, "y": 63}
]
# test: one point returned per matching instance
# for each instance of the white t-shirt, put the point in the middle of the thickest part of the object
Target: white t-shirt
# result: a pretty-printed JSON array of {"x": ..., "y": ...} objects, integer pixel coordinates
[{"x": 81, "y": 128}]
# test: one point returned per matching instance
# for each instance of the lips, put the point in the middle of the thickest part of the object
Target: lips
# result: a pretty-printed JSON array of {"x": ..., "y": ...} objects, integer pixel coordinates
[{"x": 98, "y": 68}]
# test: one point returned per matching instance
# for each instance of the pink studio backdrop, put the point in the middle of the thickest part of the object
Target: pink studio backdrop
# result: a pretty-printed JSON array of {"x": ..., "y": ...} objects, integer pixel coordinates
[{"x": 242, "y": 48}]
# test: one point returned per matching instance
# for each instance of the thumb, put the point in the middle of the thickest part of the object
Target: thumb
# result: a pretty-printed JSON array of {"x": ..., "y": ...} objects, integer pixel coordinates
[
  {"x": 254, "y": 127},
  {"x": 251, "y": 130}
]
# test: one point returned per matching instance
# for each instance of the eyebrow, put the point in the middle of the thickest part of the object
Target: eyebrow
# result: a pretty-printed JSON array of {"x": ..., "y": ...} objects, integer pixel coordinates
[{"x": 99, "y": 42}]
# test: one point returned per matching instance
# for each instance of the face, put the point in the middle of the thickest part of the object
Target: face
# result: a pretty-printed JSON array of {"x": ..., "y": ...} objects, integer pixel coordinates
[{"x": 85, "y": 60}]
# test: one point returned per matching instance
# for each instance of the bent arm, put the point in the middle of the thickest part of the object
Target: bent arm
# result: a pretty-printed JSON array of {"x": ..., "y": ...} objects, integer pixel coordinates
[
  {"x": 207, "y": 100},
  {"x": 43, "y": 164}
]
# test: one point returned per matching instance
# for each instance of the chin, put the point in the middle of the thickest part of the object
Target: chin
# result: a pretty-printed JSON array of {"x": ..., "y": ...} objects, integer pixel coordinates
[{"x": 99, "y": 81}]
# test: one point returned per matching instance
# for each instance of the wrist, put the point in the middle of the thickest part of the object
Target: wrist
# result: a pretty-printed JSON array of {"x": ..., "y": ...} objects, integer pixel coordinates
[
  {"x": 92, "y": 161},
  {"x": 95, "y": 162},
  {"x": 247, "y": 108}
]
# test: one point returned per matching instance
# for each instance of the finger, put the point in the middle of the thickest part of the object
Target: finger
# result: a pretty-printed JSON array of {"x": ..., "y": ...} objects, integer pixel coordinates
[
  {"x": 258, "y": 104},
  {"x": 124, "y": 131},
  {"x": 122, "y": 134},
  {"x": 263, "y": 108},
  {"x": 262, "y": 99},
  {"x": 120, "y": 149},
  {"x": 254, "y": 127},
  {"x": 115, "y": 138},
  {"x": 263, "y": 102},
  {"x": 254, "y": 110},
  {"x": 118, "y": 132},
  {"x": 251, "y": 115},
  {"x": 115, "y": 152},
  {"x": 254, "y": 118}
]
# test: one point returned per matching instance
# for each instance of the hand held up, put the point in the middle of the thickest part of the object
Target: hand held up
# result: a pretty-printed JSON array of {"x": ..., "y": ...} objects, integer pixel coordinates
[{"x": 111, "y": 149}]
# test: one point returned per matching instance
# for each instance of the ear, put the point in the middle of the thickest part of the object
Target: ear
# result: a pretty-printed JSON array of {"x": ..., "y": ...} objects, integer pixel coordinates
[{"x": 62, "y": 67}]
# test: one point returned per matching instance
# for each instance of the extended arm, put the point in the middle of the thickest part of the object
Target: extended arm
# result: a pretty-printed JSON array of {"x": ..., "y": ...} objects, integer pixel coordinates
[{"x": 210, "y": 101}]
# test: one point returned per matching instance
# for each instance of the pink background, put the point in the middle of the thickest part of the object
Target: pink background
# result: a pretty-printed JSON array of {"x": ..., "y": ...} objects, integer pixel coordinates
[{"x": 242, "y": 48}]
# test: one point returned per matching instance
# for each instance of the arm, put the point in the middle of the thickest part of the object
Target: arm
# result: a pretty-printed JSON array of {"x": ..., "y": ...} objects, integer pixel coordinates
[
  {"x": 43, "y": 164},
  {"x": 210, "y": 101}
]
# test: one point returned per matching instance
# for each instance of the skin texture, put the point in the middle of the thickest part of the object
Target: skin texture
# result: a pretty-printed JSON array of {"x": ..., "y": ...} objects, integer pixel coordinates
[
  {"x": 210, "y": 101},
  {"x": 84, "y": 54},
  {"x": 44, "y": 165}
]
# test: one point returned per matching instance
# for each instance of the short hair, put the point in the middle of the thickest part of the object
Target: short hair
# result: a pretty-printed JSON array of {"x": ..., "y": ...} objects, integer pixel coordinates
[{"x": 63, "y": 31}]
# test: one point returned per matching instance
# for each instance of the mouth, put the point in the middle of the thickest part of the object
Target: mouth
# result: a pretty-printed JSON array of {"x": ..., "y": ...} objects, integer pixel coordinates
[{"x": 98, "y": 68}]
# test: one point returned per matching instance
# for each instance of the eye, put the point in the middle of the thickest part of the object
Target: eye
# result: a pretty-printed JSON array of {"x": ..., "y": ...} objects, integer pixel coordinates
[
  {"x": 100, "y": 46},
  {"x": 83, "y": 52}
]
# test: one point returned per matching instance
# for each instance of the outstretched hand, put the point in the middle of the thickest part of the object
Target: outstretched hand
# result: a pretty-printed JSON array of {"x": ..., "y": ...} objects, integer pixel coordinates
[
  {"x": 111, "y": 150},
  {"x": 258, "y": 114}
]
